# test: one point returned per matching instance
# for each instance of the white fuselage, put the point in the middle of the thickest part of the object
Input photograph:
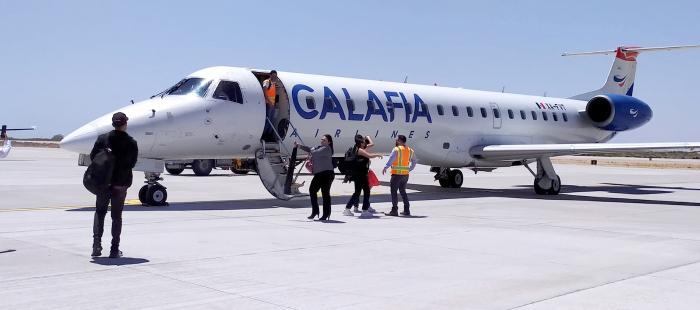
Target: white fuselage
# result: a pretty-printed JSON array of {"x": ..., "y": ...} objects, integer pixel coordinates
[{"x": 194, "y": 126}]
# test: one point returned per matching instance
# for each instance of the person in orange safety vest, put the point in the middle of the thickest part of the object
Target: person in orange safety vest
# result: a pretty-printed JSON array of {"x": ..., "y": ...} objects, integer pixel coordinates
[{"x": 402, "y": 160}]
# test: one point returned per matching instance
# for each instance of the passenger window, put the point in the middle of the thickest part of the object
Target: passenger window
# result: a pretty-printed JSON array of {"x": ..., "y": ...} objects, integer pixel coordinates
[
  {"x": 310, "y": 102},
  {"x": 440, "y": 109},
  {"x": 534, "y": 115},
  {"x": 496, "y": 113},
  {"x": 455, "y": 111},
  {"x": 470, "y": 112},
  {"x": 563, "y": 115},
  {"x": 510, "y": 114},
  {"x": 522, "y": 114},
  {"x": 544, "y": 115},
  {"x": 390, "y": 107},
  {"x": 351, "y": 104},
  {"x": 483, "y": 112},
  {"x": 409, "y": 108},
  {"x": 230, "y": 91},
  {"x": 425, "y": 106},
  {"x": 554, "y": 116},
  {"x": 370, "y": 106},
  {"x": 328, "y": 103}
]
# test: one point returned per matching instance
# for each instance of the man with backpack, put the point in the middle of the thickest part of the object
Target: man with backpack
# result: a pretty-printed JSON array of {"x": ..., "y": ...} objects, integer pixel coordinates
[
  {"x": 125, "y": 151},
  {"x": 401, "y": 157}
]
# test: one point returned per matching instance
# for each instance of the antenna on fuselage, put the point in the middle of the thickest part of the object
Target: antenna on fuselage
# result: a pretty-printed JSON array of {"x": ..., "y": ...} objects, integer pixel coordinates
[
  {"x": 504, "y": 89},
  {"x": 132, "y": 101},
  {"x": 406, "y": 79}
]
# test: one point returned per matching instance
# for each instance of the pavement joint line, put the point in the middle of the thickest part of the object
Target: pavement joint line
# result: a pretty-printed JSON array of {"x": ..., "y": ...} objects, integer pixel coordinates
[
  {"x": 211, "y": 288},
  {"x": 604, "y": 284}
]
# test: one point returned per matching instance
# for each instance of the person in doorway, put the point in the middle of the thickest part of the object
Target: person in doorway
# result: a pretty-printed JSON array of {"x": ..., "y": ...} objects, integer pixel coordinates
[
  {"x": 358, "y": 173},
  {"x": 270, "y": 93},
  {"x": 402, "y": 160},
  {"x": 125, "y": 151},
  {"x": 322, "y": 168},
  {"x": 270, "y": 90},
  {"x": 7, "y": 146}
]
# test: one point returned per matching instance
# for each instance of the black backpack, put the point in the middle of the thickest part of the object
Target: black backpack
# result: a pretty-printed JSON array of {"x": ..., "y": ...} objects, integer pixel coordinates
[
  {"x": 354, "y": 164},
  {"x": 98, "y": 175}
]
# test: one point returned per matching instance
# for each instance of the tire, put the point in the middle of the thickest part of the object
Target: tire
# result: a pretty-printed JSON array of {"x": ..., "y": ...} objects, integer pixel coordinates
[
  {"x": 202, "y": 167},
  {"x": 556, "y": 187},
  {"x": 539, "y": 190},
  {"x": 240, "y": 171},
  {"x": 456, "y": 178},
  {"x": 174, "y": 171},
  {"x": 444, "y": 183},
  {"x": 142, "y": 194},
  {"x": 156, "y": 195}
]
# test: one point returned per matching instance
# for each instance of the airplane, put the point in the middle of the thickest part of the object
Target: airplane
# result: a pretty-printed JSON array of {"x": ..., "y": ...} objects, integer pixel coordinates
[{"x": 220, "y": 113}]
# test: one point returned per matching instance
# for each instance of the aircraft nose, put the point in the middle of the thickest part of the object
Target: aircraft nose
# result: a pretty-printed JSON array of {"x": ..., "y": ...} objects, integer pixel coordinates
[{"x": 80, "y": 141}]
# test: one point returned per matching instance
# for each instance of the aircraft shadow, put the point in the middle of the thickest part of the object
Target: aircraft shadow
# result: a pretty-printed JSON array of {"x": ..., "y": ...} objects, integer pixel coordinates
[
  {"x": 106, "y": 261},
  {"x": 435, "y": 192}
]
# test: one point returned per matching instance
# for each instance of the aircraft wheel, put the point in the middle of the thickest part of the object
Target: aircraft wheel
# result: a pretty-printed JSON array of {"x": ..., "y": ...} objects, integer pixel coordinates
[
  {"x": 444, "y": 183},
  {"x": 174, "y": 171},
  {"x": 539, "y": 190},
  {"x": 202, "y": 167},
  {"x": 556, "y": 187},
  {"x": 456, "y": 179},
  {"x": 156, "y": 195},
  {"x": 142, "y": 194}
]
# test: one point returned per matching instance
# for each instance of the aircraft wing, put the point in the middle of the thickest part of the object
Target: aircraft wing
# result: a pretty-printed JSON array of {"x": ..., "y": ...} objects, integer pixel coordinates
[{"x": 526, "y": 151}]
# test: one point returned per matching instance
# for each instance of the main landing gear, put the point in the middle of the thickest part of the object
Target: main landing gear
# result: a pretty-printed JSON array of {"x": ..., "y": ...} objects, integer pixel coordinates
[
  {"x": 546, "y": 179},
  {"x": 153, "y": 194},
  {"x": 448, "y": 177}
]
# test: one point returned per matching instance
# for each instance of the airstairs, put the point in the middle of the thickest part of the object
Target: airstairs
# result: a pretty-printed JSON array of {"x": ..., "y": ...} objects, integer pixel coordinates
[{"x": 275, "y": 165}]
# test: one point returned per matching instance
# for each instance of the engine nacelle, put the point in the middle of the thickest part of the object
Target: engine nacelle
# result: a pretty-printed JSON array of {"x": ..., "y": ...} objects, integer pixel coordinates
[{"x": 617, "y": 112}]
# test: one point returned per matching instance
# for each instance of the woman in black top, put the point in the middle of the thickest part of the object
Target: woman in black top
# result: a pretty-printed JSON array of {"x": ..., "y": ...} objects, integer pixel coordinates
[
  {"x": 322, "y": 158},
  {"x": 359, "y": 176}
]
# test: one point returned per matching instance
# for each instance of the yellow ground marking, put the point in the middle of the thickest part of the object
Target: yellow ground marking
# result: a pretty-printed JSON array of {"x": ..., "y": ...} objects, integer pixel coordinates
[{"x": 130, "y": 202}]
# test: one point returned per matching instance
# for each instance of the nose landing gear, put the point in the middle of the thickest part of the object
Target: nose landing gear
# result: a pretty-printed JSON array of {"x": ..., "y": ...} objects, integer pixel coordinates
[{"x": 153, "y": 194}]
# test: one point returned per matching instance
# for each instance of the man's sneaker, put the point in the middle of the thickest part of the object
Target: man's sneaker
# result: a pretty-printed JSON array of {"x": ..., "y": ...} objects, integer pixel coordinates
[
  {"x": 392, "y": 213},
  {"x": 357, "y": 210},
  {"x": 115, "y": 254},
  {"x": 96, "y": 250},
  {"x": 365, "y": 215},
  {"x": 348, "y": 212},
  {"x": 405, "y": 213},
  {"x": 371, "y": 210}
]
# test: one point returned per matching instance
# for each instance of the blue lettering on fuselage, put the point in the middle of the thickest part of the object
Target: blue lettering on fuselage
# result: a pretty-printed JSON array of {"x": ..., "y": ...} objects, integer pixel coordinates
[{"x": 331, "y": 104}]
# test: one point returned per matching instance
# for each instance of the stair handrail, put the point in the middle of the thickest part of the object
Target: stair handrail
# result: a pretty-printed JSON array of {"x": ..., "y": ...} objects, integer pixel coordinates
[{"x": 279, "y": 138}]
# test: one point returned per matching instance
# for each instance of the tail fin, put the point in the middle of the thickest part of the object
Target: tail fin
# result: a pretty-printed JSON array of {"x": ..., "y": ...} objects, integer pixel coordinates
[{"x": 621, "y": 78}]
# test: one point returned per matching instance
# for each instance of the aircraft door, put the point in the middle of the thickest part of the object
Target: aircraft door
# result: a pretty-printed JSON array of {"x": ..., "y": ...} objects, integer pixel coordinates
[{"x": 496, "y": 112}]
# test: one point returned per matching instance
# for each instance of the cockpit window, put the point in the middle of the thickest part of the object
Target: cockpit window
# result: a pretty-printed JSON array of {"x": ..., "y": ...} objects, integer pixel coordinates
[
  {"x": 230, "y": 91},
  {"x": 188, "y": 86}
]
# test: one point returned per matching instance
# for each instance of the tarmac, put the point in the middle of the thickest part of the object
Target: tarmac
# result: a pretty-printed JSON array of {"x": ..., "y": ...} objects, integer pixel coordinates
[{"x": 615, "y": 238}]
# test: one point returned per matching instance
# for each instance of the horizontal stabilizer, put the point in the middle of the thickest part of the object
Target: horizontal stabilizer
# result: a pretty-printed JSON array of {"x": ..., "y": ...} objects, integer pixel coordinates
[
  {"x": 634, "y": 50},
  {"x": 527, "y": 151}
]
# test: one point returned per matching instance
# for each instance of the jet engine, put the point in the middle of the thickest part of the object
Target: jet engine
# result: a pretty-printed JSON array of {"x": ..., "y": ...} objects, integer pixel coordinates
[{"x": 617, "y": 112}]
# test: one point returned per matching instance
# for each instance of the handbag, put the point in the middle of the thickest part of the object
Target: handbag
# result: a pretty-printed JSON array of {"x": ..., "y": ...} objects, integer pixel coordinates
[
  {"x": 310, "y": 164},
  {"x": 372, "y": 179}
]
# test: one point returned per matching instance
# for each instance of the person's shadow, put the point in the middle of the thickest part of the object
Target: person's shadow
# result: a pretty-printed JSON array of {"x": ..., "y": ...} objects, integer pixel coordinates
[{"x": 106, "y": 261}]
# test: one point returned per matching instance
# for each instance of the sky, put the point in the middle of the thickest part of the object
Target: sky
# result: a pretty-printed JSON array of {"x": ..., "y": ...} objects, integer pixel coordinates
[{"x": 65, "y": 63}]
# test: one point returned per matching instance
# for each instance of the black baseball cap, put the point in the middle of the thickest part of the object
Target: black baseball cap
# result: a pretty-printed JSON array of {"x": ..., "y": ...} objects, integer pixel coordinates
[{"x": 119, "y": 119}]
